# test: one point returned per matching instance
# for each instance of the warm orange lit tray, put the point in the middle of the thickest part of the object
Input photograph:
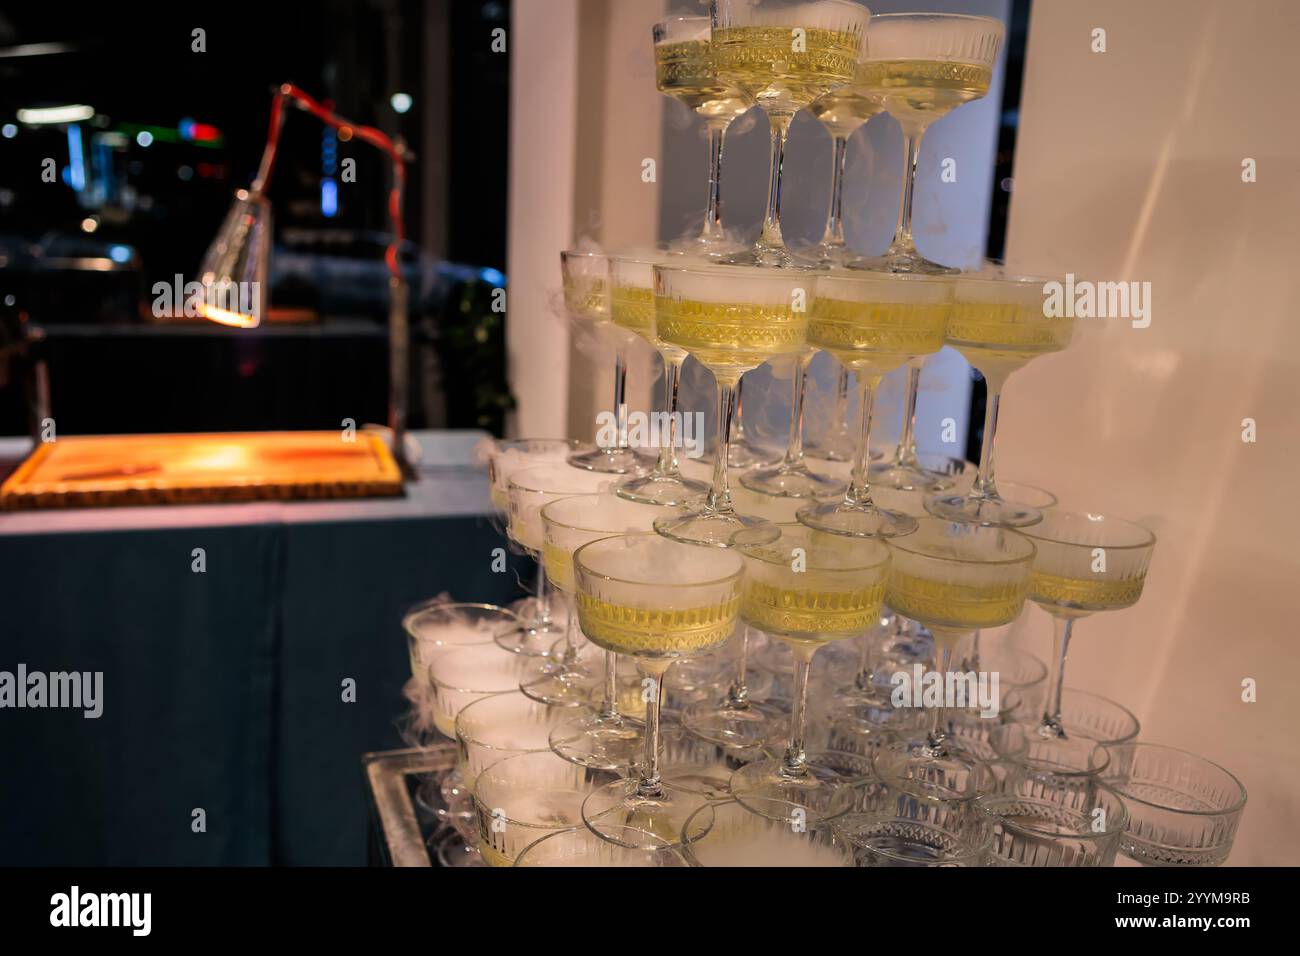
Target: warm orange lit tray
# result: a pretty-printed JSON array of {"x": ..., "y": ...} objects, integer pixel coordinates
[{"x": 93, "y": 471}]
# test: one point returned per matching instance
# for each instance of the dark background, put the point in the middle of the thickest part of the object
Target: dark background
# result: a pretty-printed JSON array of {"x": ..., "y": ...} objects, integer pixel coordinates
[{"x": 154, "y": 210}]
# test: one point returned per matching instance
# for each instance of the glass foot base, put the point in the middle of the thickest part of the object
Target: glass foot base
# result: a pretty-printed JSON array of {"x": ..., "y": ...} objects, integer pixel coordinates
[
  {"x": 659, "y": 490},
  {"x": 742, "y": 455},
  {"x": 530, "y": 641},
  {"x": 873, "y": 707},
  {"x": 904, "y": 261},
  {"x": 769, "y": 257},
  {"x": 909, "y": 478},
  {"x": 559, "y": 683},
  {"x": 952, "y": 776},
  {"x": 714, "y": 247},
  {"x": 732, "y": 727},
  {"x": 617, "y": 813},
  {"x": 820, "y": 790},
  {"x": 989, "y": 512},
  {"x": 715, "y": 529},
  {"x": 795, "y": 481},
  {"x": 598, "y": 741},
  {"x": 855, "y": 522},
  {"x": 453, "y": 850},
  {"x": 612, "y": 461},
  {"x": 832, "y": 255}
]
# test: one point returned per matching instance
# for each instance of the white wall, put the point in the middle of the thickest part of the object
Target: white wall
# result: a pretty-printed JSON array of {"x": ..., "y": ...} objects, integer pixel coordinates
[
  {"x": 543, "y": 150},
  {"x": 1128, "y": 166}
]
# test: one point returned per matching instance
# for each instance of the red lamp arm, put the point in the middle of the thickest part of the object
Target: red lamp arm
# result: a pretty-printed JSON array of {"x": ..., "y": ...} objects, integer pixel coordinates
[{"x": 376, "y": 138}]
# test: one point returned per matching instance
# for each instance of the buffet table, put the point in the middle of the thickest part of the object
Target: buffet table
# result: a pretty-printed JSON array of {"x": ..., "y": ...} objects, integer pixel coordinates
[{"x": 224, "y": 690}]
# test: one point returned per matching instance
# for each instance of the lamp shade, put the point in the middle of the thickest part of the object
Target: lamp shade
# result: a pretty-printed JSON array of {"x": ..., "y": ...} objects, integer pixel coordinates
[{"x": 234, "y": 269}]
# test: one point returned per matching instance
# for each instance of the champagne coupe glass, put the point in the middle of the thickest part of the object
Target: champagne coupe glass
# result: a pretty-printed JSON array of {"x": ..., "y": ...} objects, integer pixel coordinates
[
  {"x": 742, "y": 720},
  {"x": 777, "y": 833},
  {"x": 685, "y": 69},
  {"x": 791, "y": 477},
  {"x": 499, "y": 726},
  {"x": 529, "y": 490},
  {"x": 656, "y": 600},
  {"x": 487, "y": 730},
  {"x": 432, "y": 628},
  {"x": 999, "y": 322},
  {"x": 873, "y": 322},
  {"x": 631, "y": 300},
  {"x": 1086, "y": 563},
  {"x": 806, "y": 589},
  {"x": 842, "y": 111},
  {"x": 506, "y": 457},
  {"x": 731, "y": 319},
  {"x": 520, "y": 799},
  {"x": 954, "y": 579},
  {"x": 602, "y": 739},
  {"x": 1183, "y": 809},
  {"x": 456, "y": 678},
  {"x": 581, "y": 847},
  {"x": 1050, "y": 820},
  {"x": 923, "y": 66},
  {"x": 784, "y": 54},
  {"x": 893, "y": 828},
  {"x": 586, "y": 296},
  {"x": 904, "y": 470}
]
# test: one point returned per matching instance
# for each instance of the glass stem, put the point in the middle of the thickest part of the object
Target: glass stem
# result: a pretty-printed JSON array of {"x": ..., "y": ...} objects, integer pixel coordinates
[
  {"x": 903, "y": 230},
  {"x": 798, "y": 385},
  {"x": 984, "y": 486},
  {"x": 738, "y": 696},
  {"x": 543, "y": 595},
  {"x": 779, "y": 124},
  {"x": 620, "y": 390},
  {"x": 859, "y": 493},
  {"x": 609, "y": 706},
  {"x": 570, "y": 632},
  {"x": 795, "y": 761},
  {"x": 1052, "y": 726},
  {"x": 938, "y": 727},
  {"x": 865, "y": 677},
  {"x": 667, "y": 466},
  {"x": 649, "y": 785},
  {"x": 739, "y": 424},
  {"x": 905, "y": 454},
  {"x": 719, "y": 500},
  {"x": 841, "y": 411},
  {"x": 712, "y": 231},
  {"x": 974, "y": 663},
  {"x": 834, "y": 234}
]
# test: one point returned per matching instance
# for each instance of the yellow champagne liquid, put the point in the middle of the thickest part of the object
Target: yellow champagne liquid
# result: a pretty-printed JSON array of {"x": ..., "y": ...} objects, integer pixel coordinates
[
  {"x": 810, "y": 614},
  {"x": 730, "y": 336},
  {"x": 876, "y": 335},
  {"x": 1005, "y": 334},
  {"x": 651, "y": 632},
  {"x": 957, "y": 605},
  {"x": 493, "y": 857},
  {"x": 686, "y": 72},
  {"x": 559, "y": 566},
  {"x": 843, "y": 110},
  {"x": 917, "y": 92},
  {"x": 763, "y": 61},
  {"x": 586, "y": 299},
  {"x": 633, "y": 308},
  {"x": 1084, "y": 594}
]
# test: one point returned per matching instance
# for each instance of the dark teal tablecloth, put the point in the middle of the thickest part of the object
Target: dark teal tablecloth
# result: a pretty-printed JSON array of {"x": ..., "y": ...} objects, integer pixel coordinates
[{"x": 223, "y": 690}]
